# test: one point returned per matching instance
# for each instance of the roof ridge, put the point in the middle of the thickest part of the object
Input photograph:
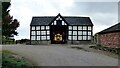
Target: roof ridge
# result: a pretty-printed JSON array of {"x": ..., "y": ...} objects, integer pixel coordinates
[
  {"x": 111, "y": 27},
  {"x": 72, "y": 20},
  {"x": 62, "y": 16},
  {"x": 43, "y": 16}
]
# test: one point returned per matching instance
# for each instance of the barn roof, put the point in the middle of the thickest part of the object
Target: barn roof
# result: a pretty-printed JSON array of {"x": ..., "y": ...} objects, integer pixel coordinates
[
  {"x": 114, "y": 28},
  {"x": 71, "y": 20}
]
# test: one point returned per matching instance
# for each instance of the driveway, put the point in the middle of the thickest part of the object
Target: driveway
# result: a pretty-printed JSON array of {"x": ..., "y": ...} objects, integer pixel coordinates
[{"x": 42, "y": 55}]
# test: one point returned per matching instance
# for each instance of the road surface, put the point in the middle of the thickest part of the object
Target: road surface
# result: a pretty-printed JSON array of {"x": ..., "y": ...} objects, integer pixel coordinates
[{"x": 61, "y": 56}]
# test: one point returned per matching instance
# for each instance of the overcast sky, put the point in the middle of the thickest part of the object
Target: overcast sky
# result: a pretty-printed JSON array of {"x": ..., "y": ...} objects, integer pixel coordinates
[{"x": 103, "y": 14}]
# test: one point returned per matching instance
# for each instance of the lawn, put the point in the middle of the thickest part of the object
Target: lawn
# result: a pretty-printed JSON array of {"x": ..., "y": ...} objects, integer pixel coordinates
[{"x": 12, "y": 60}]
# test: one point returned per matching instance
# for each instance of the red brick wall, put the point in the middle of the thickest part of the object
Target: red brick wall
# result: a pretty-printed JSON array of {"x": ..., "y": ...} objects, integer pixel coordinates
[{"x": 110, "y": 39}]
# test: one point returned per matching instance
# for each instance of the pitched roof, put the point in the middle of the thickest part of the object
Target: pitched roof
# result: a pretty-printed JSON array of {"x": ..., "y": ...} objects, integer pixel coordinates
[
  {"x": 41, "y": 20},
  {"x": 114, "y": 28},
  {"x": 45, "y": 20},
  {"x": 78, "y": 20}
]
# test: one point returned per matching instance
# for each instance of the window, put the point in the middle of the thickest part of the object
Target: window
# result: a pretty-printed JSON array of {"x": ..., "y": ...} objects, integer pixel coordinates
[
  {"x": 42, "y": 27},
  {"x": 48, "y": 37},
  {"x": 38, "y": 37},
  {"x": 79, "y": 32},
  {"x": 43, "y": 32},
  {"x": 70, "y": 27},
  {"x": 33, "y": 27},
  {"x": 48, "y": 32},
  {"x": 74, "y": 27},
  {"x": 89, "y": 37},
  {"x": 89, "y": 33},
  {"x": 43, "y": 37},
  {"x": 89, "y": 28},
  {"x": 32, "y": 37},
  {"x": 74, "y": 37},
  {"x": 38, "y": 32},
  {"x": 79, "y": 27},
  {"x": 69, "y": 37},
  {"x": 84, "y": 28},
  {"x": 70, "y": 32},
  {"x": 84, "y": 32},
  {"x": 84, "y": 37},
  {"x": 33, "y": 33},
  {"x": 79, "y": 37},
  {"x": 74, "y": 32},
  {"x": 37, "y": 27},
  {"x": 54, "y": 22},
  {"x": 63, "y": 23},
  {"x": 59, "y": 18},
  {"x": 47, "y": 27}
]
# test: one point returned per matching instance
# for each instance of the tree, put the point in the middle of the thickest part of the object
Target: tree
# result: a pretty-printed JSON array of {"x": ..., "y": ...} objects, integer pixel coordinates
[{"x": 9, "y": 26}]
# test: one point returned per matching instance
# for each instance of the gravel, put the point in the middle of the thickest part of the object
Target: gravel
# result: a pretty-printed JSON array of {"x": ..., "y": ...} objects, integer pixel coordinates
[{"x": 56, "y": 55}]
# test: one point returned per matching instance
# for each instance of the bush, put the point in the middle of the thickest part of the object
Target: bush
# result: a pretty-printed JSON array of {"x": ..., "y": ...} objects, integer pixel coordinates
[{"x": 8, "y": 41}]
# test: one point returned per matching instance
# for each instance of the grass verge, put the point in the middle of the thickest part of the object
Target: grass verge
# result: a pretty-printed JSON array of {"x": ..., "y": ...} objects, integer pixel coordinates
[{"x": 12, "y": 60}]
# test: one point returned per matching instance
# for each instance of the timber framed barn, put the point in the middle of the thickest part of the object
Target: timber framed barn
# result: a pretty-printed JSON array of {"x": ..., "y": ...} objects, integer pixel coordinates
[{"x": 60, "y": 30}]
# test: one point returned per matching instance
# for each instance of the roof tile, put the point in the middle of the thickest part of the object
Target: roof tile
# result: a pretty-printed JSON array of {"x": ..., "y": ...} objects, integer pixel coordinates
[{"x": 45, "y": 20}]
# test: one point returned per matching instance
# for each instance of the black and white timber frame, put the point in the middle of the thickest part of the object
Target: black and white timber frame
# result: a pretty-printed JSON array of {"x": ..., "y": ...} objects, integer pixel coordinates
[{"x": 78, "y": 29}]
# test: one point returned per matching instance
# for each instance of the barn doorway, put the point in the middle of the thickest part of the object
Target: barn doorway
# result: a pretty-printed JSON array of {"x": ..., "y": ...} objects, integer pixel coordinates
[{"x": 58, "y": 34}]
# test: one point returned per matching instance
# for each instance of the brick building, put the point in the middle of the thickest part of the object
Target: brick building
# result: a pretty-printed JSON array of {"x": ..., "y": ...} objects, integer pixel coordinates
[{"x": 110, "y": 37}]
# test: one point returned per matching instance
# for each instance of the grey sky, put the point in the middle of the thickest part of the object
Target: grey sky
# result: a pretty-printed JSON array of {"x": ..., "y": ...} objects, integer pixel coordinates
[{"x": 102, "y": 14}]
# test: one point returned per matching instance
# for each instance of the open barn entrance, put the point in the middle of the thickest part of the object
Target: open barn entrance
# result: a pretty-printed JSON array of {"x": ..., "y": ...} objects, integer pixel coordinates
[{"x": 58, "y": 34}]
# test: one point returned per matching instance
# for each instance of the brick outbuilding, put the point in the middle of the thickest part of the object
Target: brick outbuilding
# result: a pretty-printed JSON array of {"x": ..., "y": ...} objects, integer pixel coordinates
[{"x": 110, "y": 37}]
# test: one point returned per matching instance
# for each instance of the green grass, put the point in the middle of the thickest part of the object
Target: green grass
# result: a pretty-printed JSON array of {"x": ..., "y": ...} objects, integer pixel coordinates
[
  {"x": 7, "y": 52},
  {"x": 12, "y": 60},
  {"x": 0, "y": 59}
]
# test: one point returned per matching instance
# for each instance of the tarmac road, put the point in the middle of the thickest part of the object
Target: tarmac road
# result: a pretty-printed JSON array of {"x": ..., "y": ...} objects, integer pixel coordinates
[{"x": 42, "y": 55}]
